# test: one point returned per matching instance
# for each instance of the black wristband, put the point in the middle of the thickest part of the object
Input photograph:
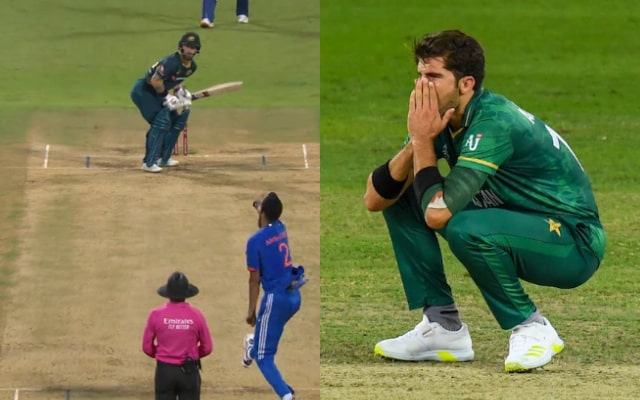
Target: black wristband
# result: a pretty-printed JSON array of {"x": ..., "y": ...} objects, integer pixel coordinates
[
  {"x": 383, "y": 182},
  {"x": 424, "y": 179}
]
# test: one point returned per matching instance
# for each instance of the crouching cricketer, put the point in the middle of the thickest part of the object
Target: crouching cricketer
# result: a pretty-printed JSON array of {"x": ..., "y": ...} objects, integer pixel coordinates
[{"x": 166, "y": 113}]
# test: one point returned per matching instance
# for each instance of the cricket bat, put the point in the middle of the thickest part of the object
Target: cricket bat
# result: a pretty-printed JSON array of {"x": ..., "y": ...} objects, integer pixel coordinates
[{"x": 216, "y": 89}]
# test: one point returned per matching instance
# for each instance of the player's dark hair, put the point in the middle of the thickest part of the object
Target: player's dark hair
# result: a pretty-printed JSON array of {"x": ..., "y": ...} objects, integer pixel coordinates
[
  {"x": 271, "y": 207},
  {"x": 462, "y": 54}
]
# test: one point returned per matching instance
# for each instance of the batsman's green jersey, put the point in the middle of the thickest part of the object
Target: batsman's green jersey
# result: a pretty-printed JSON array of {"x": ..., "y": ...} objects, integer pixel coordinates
[
  {"x": 535, "y": 218},
  {"x": 166, "y": 125},
  {"x": 171, "y": 70}
]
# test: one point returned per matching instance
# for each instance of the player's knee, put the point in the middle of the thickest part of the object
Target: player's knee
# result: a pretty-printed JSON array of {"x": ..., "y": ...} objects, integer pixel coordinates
[
  {"x": 181, "y": 120},
  {"x": 459, "y": 227},
  {"x": 162, "y": 120},
  {"x": 461, "y": 232},
  {"x": 149, "y": 116},
  {"x": 164, "y": 114}
]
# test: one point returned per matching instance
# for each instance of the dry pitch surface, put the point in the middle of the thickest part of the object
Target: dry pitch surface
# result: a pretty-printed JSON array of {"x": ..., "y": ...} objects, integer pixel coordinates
[{"x": 95, "y": 244}]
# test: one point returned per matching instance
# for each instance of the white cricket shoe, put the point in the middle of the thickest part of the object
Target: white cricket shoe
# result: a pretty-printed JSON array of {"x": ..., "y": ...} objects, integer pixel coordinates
[
  {"x": 170, "y": 162},
  {"x": 243, "y": 19},
  {"x": 205, "y": 23},
  {"x": 154, "y": 168},
  {"x": 247, "y": 345},
  {"x": 532, "y": 346},
  {"x": 429, "y": 341}
]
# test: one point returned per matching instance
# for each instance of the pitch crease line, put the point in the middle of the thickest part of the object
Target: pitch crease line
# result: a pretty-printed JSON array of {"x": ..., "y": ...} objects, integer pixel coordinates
[
  {"x": 304, "y": 155},
  {"x": 46, "y": 156}
]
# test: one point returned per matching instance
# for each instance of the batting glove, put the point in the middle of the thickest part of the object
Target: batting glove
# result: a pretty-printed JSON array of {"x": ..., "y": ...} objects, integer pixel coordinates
[
  {"x": 184, "y": 102},
  {"x": 171, "y": 102},
  {"x": 183, "y": 93}
]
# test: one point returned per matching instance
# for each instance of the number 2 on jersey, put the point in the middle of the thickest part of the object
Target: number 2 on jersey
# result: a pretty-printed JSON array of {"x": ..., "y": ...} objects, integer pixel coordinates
[{"x": 282, "y": 247}]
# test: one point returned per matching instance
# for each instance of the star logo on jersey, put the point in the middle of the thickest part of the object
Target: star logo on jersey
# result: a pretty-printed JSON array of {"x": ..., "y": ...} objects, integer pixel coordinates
[{"x": 554, "y": 226}]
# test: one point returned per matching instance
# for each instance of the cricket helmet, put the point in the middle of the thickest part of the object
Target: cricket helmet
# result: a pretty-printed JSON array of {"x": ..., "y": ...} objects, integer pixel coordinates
[{"x": 190, "y": 39}]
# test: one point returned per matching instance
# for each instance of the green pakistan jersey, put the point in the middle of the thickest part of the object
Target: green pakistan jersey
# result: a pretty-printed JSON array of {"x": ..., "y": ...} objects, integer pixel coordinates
[
  {"x": 531, "y": 168},
  {"x": 171, "y": 70}
]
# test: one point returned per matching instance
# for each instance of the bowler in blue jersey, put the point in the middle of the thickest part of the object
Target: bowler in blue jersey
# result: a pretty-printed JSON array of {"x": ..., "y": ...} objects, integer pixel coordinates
[{"x": 269, "y": 264}]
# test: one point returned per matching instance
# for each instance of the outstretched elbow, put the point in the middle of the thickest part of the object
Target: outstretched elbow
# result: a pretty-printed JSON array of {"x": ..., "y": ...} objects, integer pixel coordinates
[
  {"x": 437, "y": 219},
  {"x": 373, "y": 203}
]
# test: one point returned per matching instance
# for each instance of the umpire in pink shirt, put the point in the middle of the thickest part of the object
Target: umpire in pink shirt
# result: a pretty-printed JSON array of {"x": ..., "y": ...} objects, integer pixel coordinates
[{"x": 177, "y": 336}]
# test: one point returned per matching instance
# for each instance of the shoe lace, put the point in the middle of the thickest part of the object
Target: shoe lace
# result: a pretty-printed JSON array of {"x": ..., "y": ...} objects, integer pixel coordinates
[
  {"x": 409, "y": 335},
  {"x": 522, "y": 339},
  {"x": 518, "y": 343}
]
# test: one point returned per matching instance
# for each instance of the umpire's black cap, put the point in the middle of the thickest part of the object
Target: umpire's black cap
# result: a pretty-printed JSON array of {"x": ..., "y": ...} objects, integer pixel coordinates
[
  {"x": 178, "y": 287},
  {"x": 271, "y": 206}
]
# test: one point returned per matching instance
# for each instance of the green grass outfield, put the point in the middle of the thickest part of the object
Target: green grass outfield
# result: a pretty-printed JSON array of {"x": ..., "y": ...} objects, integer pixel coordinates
[
  {"x": 76, "y": 54},
  {"x": 574, "y": 64}
]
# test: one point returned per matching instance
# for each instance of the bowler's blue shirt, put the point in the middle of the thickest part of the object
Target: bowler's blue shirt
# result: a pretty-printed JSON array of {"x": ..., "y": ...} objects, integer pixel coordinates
[{"x": 268, "y": 252}]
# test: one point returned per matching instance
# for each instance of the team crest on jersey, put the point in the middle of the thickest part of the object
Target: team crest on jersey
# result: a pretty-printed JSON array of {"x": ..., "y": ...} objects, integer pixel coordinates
[
  {"x": 554, "y": 226},
  {"x": 472, "y": 142}
]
